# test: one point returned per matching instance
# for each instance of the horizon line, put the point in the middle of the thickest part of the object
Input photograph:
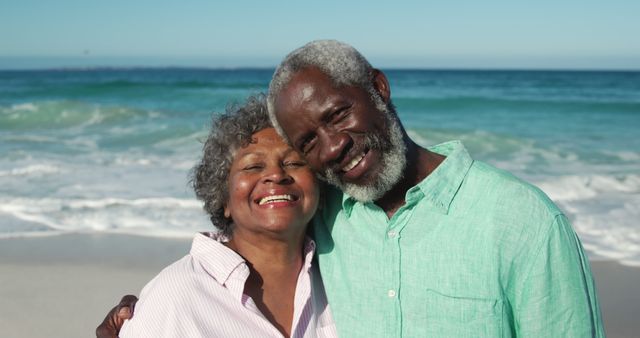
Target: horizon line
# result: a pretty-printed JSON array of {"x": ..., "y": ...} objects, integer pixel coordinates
[{"x": 272, "y": 68}]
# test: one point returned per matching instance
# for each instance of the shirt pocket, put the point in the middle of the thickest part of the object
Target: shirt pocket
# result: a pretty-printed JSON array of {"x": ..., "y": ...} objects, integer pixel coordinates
[{"x": 451, "y": 316}]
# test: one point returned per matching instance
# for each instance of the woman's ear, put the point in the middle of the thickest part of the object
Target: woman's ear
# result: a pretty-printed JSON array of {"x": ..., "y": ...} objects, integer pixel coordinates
[{"x": 227, "y": 213}]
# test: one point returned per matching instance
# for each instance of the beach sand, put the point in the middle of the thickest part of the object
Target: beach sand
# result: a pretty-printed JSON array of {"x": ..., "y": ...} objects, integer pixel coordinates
[
  {"x": 619, "y": 295},
  {"x": 62, "y": 286}
]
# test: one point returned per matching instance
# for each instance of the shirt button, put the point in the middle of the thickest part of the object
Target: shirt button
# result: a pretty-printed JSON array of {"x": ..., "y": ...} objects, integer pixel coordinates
[
  {"x": 392, "y": 234},
  {"x": 391, "y": 293}
]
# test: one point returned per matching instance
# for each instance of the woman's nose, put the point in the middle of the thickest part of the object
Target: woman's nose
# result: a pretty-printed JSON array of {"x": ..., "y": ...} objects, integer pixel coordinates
[{"x": 276, "y": 174}]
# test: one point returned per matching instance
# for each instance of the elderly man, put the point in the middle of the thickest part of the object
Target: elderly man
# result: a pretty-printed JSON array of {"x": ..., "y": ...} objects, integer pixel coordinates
[{"x": 423, "y": 242}]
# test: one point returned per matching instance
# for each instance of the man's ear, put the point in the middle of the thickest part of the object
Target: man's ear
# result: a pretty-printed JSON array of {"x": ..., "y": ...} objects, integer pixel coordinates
[{"x": 381, "y": 85}]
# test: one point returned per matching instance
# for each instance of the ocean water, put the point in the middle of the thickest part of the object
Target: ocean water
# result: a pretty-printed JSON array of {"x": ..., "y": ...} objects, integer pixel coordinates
[{"x": 110, "y": 150}]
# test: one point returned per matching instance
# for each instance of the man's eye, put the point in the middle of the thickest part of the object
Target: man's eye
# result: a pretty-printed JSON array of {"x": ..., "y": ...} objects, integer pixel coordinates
[
  {"x": 307, "y": 144},
  {"x": 339, "y": 115},
  {"x": 295, "y": 164}
]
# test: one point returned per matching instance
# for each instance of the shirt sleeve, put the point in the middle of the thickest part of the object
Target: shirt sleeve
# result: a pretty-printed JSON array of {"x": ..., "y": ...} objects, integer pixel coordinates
[{"x": 555, "y": 293}]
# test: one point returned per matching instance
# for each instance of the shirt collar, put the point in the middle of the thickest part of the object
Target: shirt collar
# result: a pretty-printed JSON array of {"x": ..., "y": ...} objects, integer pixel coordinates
[
  {"x": 440, "y": 187},
  {"x": 217, "y": 259},
  {"x": 221, "y": 262}
]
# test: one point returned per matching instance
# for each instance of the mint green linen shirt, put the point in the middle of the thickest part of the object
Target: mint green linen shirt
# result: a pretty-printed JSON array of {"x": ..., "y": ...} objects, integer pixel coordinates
[{"x": 474, "y": 252}]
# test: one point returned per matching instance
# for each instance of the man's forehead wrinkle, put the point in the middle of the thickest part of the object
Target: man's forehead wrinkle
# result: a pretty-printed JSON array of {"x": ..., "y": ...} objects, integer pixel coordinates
[
  {"x": 306, "y": 93},
  {"x": 311, "y": 100},
  {"x": 296, "y": 92}
]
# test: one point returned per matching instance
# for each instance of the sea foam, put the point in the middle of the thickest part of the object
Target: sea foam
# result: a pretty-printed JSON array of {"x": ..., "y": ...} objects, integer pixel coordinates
[
  {"x": 110, "y": 150},
  {"x": 137, "y": 216},
  {"x": 604, "y": 211}
]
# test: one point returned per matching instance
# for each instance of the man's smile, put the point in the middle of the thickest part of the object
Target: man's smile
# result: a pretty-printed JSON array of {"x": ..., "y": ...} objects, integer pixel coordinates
[
  {"x": 353, "y": 162},
  {"x": 358, "y": 167}
]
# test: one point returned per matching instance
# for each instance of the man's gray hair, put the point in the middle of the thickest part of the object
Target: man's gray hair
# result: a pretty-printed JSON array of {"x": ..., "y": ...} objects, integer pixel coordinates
[
  {"x": 342, "y": 63},
  {"x": 229, "y": 132}
]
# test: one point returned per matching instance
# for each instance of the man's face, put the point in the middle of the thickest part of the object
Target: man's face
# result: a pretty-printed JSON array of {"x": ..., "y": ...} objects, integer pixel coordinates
[{"x": 350, "y": 140}]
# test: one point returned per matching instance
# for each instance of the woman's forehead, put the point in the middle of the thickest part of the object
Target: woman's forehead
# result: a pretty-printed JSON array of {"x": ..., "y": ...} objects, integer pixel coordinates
[
  {"x": 266, "y": 138},
  {"x": 263, "y": 143}
]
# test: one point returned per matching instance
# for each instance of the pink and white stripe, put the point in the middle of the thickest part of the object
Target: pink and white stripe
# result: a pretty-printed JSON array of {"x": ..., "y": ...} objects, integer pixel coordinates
[{"x": 202, "y": 295}]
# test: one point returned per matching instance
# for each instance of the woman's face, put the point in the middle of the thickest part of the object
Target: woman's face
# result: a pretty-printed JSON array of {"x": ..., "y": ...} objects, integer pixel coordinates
[{"x": 271, "y": 187}]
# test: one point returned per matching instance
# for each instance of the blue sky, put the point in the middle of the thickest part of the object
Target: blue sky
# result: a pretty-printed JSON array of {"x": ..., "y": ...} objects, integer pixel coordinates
[{"x": 427, "y": 34}]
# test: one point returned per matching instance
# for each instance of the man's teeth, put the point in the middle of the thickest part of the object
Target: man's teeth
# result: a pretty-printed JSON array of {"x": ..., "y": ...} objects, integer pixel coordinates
[
  {"x": 275, "y": 198},
  {"x": 353, "y": 163}
]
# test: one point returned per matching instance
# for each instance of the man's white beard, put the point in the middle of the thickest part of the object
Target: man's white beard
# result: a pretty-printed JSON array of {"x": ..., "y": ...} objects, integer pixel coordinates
[{"x": 392, "y": 164}]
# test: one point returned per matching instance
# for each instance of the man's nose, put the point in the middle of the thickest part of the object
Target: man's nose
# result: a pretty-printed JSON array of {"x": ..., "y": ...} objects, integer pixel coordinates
[{"x": 333, "y": 146}]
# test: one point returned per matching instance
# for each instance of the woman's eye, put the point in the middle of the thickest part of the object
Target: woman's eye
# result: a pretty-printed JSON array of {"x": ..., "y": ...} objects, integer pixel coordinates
[{"x": 251, "y": 167}]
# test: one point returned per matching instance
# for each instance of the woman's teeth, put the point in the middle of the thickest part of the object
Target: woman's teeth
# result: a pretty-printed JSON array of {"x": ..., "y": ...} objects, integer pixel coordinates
[{"x": 275, "y": 198}]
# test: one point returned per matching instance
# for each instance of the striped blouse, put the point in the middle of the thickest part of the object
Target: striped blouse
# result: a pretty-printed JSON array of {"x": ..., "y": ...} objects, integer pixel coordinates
[{"x": 202, "y": 295}]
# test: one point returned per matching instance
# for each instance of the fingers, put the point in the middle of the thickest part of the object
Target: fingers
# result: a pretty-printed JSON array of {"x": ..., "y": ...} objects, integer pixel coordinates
[
  {"x": 108, "y": 329},
  {"x": 127, "y": 302},
  {"x": 102, "y": 332},
  {"x": 112, "y": 323},
  {"x": 124, "y": 313}
]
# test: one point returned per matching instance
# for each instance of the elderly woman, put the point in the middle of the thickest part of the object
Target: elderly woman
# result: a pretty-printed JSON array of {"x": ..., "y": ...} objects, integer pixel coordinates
[{"x": 255, "y": 277}]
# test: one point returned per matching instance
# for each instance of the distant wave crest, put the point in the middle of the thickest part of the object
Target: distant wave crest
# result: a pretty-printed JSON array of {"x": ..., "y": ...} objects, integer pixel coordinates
[{"x": 65, "y": 114}]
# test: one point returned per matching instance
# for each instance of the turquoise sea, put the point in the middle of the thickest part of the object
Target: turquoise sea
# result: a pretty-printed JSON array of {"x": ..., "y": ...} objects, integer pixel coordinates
[{"x": 109, "y": 150}]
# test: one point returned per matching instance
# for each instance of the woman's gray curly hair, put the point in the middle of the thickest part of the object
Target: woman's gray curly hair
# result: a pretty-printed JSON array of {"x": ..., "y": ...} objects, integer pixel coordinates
[{"x": 229, "y": 132}]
